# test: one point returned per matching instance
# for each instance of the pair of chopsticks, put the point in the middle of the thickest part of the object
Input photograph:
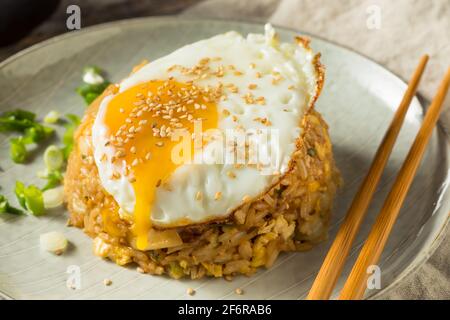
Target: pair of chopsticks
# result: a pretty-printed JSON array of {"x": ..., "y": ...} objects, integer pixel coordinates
[{"x": 333, "y": 264}]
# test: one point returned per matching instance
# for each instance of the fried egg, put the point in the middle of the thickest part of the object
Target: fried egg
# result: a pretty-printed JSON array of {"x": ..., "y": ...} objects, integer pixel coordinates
[{"x": 220, "y": 86}]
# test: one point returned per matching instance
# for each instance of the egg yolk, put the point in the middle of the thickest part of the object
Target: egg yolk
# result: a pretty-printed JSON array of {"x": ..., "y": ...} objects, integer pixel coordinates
[{"x": 141, "y": 121}]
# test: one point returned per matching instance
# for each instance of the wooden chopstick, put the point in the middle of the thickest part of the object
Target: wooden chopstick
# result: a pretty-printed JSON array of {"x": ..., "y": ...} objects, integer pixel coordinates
[
  {"x": 334, "y": 261},
  {"x": 355, "y": 286}
]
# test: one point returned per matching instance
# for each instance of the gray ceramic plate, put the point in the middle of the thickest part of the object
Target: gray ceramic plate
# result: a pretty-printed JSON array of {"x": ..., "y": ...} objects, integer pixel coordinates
[{"x": 358, "y": 102}]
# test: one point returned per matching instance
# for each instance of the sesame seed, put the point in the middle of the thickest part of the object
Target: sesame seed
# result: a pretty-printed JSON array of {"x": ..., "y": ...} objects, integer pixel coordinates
[
  {"x": 252, "y": 86},
  {"x": 148, "y": 156},
  {"x": 107, "y": 282},
  {"x": 132, "y": 179},
  {"x": 122, "y": 110},
  {"x": 115, "y": 175},
  {"x": 252, "y": 65},
  {"x": 159, "y": 144},
  {"x": 218, "y": 195},
  {"x": 133, "y": 149},
  {"x": 190, "y": 291},
  {"x": 199, "y": 195},
  {"x": 239, "y": 291},
  {"x": 246, "y": 198},
  {"x": 231, "y": 174},
  {"x": 261, "y": 100},
  {"x": 120, "y": 154},
  {"x": 228, "y": 277}
]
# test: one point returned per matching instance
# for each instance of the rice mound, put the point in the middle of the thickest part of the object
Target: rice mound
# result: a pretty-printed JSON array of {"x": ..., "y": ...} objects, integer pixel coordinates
[{"x": 292, "y": 215}]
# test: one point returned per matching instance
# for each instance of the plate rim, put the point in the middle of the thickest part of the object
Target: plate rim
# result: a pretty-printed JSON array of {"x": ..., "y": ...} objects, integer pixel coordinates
[{"x": 420, "y": 258}]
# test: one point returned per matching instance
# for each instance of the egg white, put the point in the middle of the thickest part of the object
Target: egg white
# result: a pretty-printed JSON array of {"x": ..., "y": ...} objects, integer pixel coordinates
[{"x": 284, "y": 109}]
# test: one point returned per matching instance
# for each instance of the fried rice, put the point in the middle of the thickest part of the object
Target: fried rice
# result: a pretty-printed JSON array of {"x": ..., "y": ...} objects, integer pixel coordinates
[{"x": 292, "y": 215}]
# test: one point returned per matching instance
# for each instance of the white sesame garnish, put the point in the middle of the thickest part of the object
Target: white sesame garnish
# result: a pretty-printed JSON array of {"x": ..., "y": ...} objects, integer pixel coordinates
[
  {"x": 120, "y": 154},
  {"x": 231, "y": 174},
  {"x": 190, "y": 291},
  {"x": 239, "y": 291}
]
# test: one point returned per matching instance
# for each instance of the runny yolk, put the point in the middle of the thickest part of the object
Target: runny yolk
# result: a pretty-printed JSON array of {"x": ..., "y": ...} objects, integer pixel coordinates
[{"x": 137, "y": 120}]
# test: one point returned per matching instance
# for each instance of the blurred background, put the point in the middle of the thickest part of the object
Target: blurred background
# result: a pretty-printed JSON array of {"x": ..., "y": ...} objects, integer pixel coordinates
[
  {"x": 26, "y": 22},
  {"x": 394, "y": 33}
]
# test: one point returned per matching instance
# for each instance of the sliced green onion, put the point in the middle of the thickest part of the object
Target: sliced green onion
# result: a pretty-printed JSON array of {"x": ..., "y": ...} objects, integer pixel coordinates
[
  {"x": 71, "y": 126},
  {"x": 37, "y": 133},
  {"x": 54, "y": 179},
  {"x": 91, "y": 91},
  {"x": 5, "y": 207},
  {"x": 22, "y": 120},
  {"x": 43, "y": 174},
  {"x": 17, "y": 150},
  {"x": 93, "y": 85},
  {"x": 52, "y": 117},
  {"x": 53, "y": 158},
  {"x": 53, "y": 197},
  {"x": 19, "y": 114},
  {"x": 16, "y": 120},
  {"x": 30, "y": 198},
  {"x": 93, "y": 75}
]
